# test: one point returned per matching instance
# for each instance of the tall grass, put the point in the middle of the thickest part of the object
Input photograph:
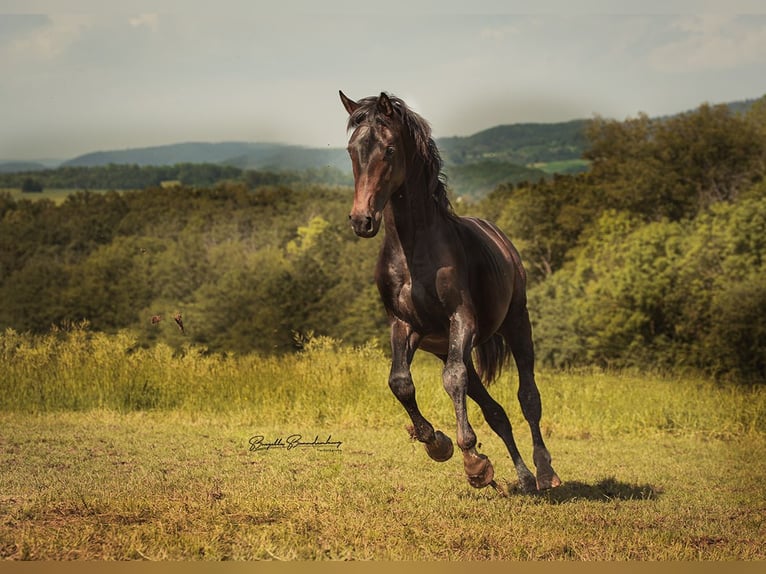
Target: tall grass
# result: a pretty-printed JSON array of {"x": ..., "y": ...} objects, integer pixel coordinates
[{"x": 78, "y": 370}]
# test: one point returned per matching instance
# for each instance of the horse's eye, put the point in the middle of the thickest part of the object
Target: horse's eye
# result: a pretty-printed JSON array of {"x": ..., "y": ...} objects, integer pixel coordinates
[{"x": 390, "y": 152}]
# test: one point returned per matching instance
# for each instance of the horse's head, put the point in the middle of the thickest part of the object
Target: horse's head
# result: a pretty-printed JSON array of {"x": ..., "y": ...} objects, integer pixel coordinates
[{"x": 377, "y": 155}]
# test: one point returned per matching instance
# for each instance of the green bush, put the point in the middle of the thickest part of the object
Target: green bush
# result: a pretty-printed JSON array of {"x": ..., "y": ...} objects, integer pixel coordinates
[{"x": 662, "y": 294}]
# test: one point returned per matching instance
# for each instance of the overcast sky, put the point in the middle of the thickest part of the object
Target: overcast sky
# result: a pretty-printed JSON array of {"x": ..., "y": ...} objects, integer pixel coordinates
[{"x": 82, "y": 76}]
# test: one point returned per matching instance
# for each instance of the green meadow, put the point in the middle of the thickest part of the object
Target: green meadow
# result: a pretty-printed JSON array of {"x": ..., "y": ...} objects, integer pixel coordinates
[{"x": 111, "y": 450}]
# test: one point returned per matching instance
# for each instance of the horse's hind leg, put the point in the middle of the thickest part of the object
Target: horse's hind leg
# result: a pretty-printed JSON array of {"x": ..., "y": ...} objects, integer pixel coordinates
[
  {"x": 519, "y": 336},
  {"x": 404, "y": 343},
  {"x": 498, "y": 421}
]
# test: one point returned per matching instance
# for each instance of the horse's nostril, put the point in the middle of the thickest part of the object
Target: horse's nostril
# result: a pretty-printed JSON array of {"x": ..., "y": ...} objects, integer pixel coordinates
[{"x": 363, "y": 225}]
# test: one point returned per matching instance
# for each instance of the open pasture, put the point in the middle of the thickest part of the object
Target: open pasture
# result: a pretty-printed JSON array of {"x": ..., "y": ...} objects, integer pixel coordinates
[{"x": 110, "y": 451}]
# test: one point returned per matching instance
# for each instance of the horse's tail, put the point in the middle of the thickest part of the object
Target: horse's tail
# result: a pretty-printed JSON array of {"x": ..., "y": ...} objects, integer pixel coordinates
[{"x": 492, "y": 356}]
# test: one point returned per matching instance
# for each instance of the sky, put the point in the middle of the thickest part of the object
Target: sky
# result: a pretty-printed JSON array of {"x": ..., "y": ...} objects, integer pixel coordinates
[{"x": 77, "y": 77}]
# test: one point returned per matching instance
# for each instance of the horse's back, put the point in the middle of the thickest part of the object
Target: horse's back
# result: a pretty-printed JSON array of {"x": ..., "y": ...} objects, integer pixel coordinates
[
  {"x": 495, "y": 272},
  {"x": 490, "y": 242}
]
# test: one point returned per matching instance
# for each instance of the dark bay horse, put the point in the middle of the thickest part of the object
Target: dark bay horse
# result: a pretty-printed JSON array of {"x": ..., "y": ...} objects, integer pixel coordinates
[{"x": 450, "y": 285}]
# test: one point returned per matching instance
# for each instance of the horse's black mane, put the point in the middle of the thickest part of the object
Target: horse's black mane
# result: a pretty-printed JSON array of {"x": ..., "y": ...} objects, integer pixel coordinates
[{"x": 420, "y": 132}]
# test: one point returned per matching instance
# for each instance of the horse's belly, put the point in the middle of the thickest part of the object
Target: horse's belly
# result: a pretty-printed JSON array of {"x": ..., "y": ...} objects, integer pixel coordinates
[
  {"x": 436, "y": 344},
  {"x": 422, "y": 310}
]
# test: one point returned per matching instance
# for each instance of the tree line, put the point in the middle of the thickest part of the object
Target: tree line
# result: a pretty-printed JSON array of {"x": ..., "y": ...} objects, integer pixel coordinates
[
  {"x": 135, "y": 177},
  {"x": 653, "y": 258},
  {"x": 246, "y": 269}
]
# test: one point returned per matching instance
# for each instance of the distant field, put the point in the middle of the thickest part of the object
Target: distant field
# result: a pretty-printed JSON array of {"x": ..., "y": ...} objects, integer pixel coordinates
[
  {"x": 55, "y": 195},
  {"x": 113, "y": 452},
  {"x": 564, "y": 166}
]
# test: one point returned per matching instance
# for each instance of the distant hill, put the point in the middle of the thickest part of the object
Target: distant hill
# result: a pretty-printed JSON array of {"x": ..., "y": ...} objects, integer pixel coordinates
[
  {"x": 244, "y": 155},
  {"x": 475, "y": 180},
  {"x": 190, "y": 152},
  {"x": 474, "y": 164},
  {"x": 17, "y": 166},
  {"x": 522, "y": 144}
]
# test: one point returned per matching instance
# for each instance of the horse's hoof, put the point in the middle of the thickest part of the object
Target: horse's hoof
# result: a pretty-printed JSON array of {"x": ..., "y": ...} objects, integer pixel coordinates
[
  {"x": 548, "y": 481},
  {"x": 546, "y": 476},
  {"x": 441, "y": 449},
  {"x": 479, "y": 471}
]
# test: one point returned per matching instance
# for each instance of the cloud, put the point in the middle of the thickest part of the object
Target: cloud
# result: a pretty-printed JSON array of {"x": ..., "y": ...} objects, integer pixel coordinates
[
  {"x": 51, "y": 40},
  {"x": 712, "y": 42},
  {"x": 499, "y": 33},
  {"x": 146, "y": 20}
]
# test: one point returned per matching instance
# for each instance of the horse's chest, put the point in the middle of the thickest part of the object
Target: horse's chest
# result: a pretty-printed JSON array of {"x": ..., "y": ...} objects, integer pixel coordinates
[{"x": 413, "y": 299}]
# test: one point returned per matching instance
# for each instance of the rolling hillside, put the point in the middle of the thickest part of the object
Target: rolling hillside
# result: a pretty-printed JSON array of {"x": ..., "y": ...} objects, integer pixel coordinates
[
  {"x": 476, "y": 180},
  {"x": 521, "y": 144},
  {"x": 190, "y": 152},
  {"x": 474, "y": 164}
]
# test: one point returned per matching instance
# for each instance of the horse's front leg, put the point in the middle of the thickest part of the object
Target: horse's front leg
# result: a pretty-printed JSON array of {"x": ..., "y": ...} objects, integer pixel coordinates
[
  {"x": 404, "y": 343},
  {"x": 477, "y": 466}
]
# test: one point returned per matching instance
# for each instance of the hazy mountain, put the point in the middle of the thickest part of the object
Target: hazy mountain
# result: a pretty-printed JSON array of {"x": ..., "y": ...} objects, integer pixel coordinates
[
  {"x": 474, "y": 164},
  {"x": 521, "y": 144},
  {"x": 190, "y": 152},
  {"x": 17, "y": 166}
]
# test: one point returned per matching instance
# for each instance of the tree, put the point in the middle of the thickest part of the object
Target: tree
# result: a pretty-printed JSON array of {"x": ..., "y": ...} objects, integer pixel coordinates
[
  {"x": 677, "y": 166},
  {"x": 31, "y": 185},
  {"x": 723, "y": 270},
  {"x": 618, "y": 281},
  {"x": 662, "y": 293},
  {"x": 544, "y": 220}
]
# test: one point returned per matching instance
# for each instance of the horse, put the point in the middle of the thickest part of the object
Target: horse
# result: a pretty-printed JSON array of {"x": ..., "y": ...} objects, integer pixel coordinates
[{"x": 452, "y": 286}]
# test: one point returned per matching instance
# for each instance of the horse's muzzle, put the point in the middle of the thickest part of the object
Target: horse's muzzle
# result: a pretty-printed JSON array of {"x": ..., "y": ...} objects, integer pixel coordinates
[{"x": 364, "y": 225}]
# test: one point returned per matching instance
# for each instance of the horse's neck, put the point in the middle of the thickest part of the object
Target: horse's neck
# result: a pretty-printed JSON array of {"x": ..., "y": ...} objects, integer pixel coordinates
[{"x": 410, "y": 215}]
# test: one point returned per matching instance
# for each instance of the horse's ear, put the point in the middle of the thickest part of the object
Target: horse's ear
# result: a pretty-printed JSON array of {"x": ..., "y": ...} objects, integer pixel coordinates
[
  {"x": 349, "y": 104},
  {"x": 384, "y": 105}
]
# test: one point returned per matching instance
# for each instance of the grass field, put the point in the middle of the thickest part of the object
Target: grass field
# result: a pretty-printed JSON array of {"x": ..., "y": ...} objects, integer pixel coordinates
[
  {"x": 563, "y": 166},
  {"x": 109, "y": 451}
]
